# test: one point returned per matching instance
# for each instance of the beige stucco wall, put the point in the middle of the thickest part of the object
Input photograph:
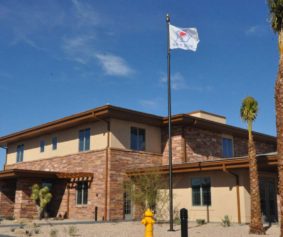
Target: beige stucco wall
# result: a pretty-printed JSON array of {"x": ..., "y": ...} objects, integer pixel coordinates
[
  {"x": 68, "y": 143},
  {"x": 223, "y": 196},
  {"x": 210, "y": 117},
  {"x": 121, "y": 135}
]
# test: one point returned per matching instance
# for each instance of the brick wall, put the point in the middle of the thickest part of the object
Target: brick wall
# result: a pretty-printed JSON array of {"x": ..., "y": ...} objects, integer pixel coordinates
[
  {"x": 7, "y": 197},
  {"x": 202, "y": 145},
  {"x": 120, "y": 161},
  {"x": 24, "y": 206},
  {"x": 94, "y": 162}
]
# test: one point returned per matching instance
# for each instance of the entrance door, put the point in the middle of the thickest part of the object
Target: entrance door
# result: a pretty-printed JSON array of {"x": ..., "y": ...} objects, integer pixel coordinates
[
  {"x": 268, "y": 199},
  {"x": 127, "y": 207}
]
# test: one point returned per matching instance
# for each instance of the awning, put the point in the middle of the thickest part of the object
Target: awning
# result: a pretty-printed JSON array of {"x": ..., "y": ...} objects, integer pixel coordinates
[
  {"x": 23, "y": 173},
  {"x": 265, "y": 162}
]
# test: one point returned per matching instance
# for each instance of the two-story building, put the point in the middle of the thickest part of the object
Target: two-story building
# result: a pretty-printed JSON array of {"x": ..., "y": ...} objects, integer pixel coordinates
[{"x": 85, "y": 158}]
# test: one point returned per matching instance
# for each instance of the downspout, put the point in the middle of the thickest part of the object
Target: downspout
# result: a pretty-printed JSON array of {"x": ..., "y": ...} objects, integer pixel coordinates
[
  {"x": 106, "y": 167},
  {"x": 237, "y": 192},
  {"x": 68, "y": 200},
  {"x": 106, "y": 171},
  {"x": 184, "y": 144}
]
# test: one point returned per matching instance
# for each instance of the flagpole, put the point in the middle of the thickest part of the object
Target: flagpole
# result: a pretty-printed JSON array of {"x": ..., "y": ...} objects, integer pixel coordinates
[{"x": 169, "y": 129}]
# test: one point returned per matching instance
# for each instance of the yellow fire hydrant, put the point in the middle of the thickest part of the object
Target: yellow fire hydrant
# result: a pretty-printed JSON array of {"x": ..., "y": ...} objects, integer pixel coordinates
[{"x": 148, "y": 221}]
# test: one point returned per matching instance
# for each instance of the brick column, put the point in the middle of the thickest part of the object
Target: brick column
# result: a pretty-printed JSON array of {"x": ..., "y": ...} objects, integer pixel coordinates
[
  {"x": 7, "y": 198},
  {"x": 24, "y": 206}
]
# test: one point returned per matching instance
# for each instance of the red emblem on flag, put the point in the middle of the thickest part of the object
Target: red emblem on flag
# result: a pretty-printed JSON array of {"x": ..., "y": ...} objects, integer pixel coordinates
[{"x": 182, "y": 33}]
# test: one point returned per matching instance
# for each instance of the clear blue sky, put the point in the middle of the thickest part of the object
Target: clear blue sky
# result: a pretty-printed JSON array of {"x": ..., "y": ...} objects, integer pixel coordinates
[{"x": 58, "y": 58}]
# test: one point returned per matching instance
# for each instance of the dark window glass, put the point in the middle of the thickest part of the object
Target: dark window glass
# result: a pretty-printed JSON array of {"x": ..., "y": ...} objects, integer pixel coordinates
[
  {"x": 201, "y": 195},
  {"x": 20, "y": 153},
  {"x": 42, "y": 146},
  {"x": 82, "y": 193},
  {"x": 134, "y": 138},
  {"x": 84, "y": 139},
  {"x": 87, "y": 139},
  {"x": 54, "y": 143},
  {"x": 227, "y": 147},
  {"x": 137, "y": 139},
  {"x": 127, "y": 204}
]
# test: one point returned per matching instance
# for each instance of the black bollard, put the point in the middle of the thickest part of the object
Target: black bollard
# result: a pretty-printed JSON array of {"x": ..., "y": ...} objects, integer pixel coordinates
[{"x": 184, "y": 222}]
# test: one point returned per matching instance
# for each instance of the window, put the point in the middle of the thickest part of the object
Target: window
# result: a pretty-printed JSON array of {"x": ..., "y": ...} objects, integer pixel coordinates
[
  {"x": 127, "y": 204},
  {"x": 227, "y": 147},
  {"x": 42, "y": 146},
  {"x": 137, "y": 139},
  {"x": 54, "y": 143},
  {"x": 82, "y": 193},
  {"x": 84, "y": 137},
  {"x": 20, "y": 153},
  {"x": 201, "y": 192}
]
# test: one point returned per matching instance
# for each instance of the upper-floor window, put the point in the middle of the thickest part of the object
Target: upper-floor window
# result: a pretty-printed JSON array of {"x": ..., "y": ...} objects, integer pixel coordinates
[
  {"x": 54, "y": 143},
  {"x": 227, "y": 147},
  {"x": 42, "y": 145},
  {"x": 20, "y": 153},
  {"x": 137, "y": 139},
  {"x": 82, "y": 193},
  {"x": 84, "y": 139},
  {"x": 201, "y": 195}
]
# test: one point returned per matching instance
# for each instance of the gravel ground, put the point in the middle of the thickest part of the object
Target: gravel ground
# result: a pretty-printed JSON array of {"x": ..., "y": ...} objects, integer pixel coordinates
[{"x": 133, "y": 229}]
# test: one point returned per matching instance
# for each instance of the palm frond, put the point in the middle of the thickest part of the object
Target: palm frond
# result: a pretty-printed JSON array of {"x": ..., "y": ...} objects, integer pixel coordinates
[
  {"x": 276, "y": 14},
  {"x": 249, "y": 109}
]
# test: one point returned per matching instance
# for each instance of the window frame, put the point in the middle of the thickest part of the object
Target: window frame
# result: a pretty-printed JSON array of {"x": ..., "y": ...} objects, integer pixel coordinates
[
  {"x": 201, "y": 193},
  {"x": 137, "y": 146},
  {"x": 227, "y": 137},
  {"x": 82, "y": 190},
  {"x": 20, "y": 153},
  {"x": 84, "y": 139}
]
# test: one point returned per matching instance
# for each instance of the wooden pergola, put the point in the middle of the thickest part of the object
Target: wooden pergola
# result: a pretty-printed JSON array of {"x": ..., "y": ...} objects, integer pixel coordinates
[{"x": 23, "y": 173}]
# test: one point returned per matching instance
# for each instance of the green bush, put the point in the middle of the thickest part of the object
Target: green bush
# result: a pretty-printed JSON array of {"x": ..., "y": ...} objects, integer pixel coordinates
[
  {"x": 226, "y": 221},
  {"x": 200, "y": 221},
  {"x": 53, "y": 233}
]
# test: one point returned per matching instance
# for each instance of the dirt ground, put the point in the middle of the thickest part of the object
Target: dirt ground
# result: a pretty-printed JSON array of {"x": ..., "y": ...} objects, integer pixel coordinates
[{"x": 124, "y": 229}]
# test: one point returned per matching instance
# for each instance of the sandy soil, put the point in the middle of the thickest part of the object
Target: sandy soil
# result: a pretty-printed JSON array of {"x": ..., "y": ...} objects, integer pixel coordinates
[{"x": 135, "y": 229}]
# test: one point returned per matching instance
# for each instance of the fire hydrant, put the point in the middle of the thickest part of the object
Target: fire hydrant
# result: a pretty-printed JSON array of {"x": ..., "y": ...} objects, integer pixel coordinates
[{"x": 148, "y": 221}]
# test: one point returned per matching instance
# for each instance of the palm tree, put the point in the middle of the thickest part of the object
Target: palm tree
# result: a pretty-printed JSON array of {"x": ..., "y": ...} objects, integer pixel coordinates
[
  {"x": 276, "y": 14},
  {"x": 248, "y": 114}
]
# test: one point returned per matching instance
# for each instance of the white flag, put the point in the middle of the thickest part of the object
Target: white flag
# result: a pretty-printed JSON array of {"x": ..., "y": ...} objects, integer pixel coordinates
[{"x": 183, "y": 38}]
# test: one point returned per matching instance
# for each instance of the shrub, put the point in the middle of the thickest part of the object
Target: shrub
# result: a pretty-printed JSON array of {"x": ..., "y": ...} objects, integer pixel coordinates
[
  {"x": 53, "y": 233},
  {"x": 226, "y": 221},
  {"x": 200, "y": 221},
  {"x": 41, "y": 196},
  {"x": 72, "y": 230}
]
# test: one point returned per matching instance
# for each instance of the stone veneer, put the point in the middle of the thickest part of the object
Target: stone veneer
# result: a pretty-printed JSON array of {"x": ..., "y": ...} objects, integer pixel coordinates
[
  {"x": 7, "y": 197},
  {"x": 190, "y": 144},
  {"x": 94, "y": 162}
]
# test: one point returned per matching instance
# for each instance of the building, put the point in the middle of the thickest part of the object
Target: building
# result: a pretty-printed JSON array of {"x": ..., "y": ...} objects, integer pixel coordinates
[{"x": 85, "y": 158}]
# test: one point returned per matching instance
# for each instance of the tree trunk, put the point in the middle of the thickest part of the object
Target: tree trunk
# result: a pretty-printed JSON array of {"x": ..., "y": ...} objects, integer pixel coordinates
[
  {"x": 256, "y": 226},
  {"x": 279, "y": 125}
]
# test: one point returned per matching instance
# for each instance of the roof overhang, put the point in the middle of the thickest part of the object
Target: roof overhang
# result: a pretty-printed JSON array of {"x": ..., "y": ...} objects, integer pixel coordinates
[
  {"x": 264, "y": 161},
  {"x": 98, "y": 114},
  {"x": 108, "y": 111},
  {"x": 185, "y": 119},
  {"x": 21, "y": 173}
]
